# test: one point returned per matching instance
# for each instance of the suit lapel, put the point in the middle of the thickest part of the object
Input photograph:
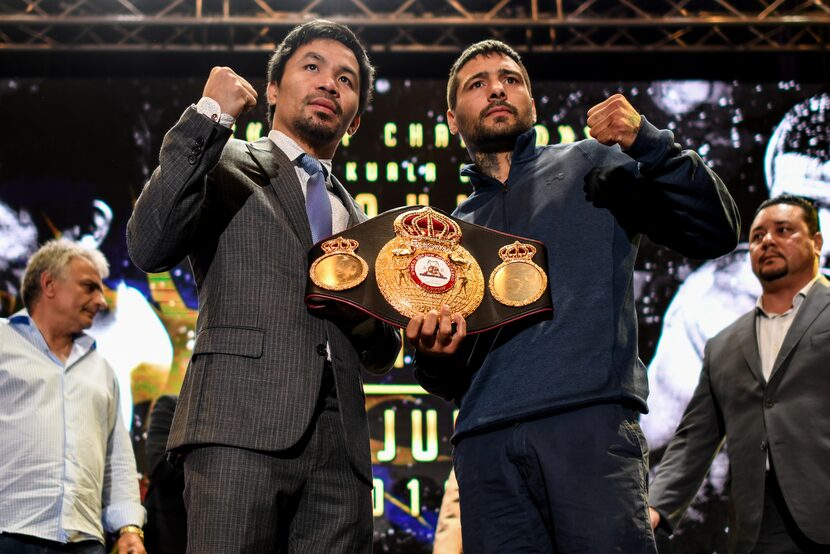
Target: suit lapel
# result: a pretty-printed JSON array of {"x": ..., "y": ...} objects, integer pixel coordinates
[
  {"x": 346, "y": 199},
  {"x": 748, "y": 340},
  {"x": 816, "y": 301},
  {"x": 284, "y": 181}
]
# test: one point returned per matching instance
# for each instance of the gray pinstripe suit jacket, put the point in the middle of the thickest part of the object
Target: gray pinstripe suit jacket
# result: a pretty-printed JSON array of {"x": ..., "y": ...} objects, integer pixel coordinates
[{"x": 237, "y": 212}]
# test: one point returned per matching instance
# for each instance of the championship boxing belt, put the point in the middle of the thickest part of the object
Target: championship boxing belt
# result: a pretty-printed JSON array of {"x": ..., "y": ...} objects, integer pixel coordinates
[{"x": 414, "y": 259}]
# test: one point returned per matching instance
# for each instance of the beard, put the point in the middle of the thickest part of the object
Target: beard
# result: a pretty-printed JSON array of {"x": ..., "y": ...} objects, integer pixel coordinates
[
  {"x": 320, "y": 128},
  {"x": 773, "y": 273},
  {"x": 497, "y": 136},
  {"x": 316, "y": 132}
]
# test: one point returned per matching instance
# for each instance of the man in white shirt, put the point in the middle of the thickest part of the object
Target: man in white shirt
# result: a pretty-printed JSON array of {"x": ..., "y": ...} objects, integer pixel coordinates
[
  {"x": 67, "y": 469},
  {"x": 764, "y": 388}
]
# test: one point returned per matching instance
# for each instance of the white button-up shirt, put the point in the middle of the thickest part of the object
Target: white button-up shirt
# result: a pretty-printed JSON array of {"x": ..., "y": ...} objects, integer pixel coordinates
[{"x": 67, "y": 468}]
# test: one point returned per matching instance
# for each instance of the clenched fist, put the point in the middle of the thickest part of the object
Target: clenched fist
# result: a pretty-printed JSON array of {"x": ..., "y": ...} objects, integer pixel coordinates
[
  {"x": 234, "y": 94},
  {"x": 614, "y": 121}
]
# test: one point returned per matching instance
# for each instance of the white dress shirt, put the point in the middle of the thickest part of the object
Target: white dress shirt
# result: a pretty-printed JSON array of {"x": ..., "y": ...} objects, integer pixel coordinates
[
  {"x": 772, "y": 328},
  {"x": 67, "y": 468}
]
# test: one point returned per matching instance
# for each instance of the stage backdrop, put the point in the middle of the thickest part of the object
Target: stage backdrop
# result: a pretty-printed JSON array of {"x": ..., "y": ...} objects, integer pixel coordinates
[{"x": 76, "y": 154}]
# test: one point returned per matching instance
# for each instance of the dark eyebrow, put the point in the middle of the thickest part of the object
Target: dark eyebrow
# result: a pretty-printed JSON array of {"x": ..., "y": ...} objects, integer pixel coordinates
[
  {"x": 511, "y": 72},
  {"x": 500, "y": 73},
  {"x": 479, "y": 75}
]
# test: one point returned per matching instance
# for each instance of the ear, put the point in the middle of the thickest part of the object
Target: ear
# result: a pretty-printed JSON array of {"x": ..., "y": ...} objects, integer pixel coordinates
[
  {"x": 47, "y": 284},
  {"x": 271, "y": 93},
  {"x": 353, "y": 127},
  {"x": 451, "y": 122},
  {"x": 818, "y": 242},
  {"x": 533, "y": 109}
]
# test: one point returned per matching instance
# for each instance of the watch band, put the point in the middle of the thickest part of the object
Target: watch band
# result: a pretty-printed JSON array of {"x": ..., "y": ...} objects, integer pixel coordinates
[{"x": 134, "y": 529}]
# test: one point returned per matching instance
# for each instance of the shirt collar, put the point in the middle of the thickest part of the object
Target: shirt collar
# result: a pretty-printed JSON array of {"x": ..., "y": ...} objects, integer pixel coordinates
[
  {"x": 292, "y": 150},
  {"x": 797, "y": 299},
  {"x": 82, "y": 339}
]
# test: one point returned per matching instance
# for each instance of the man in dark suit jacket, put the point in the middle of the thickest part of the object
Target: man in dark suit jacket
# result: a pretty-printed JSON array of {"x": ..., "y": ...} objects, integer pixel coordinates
[
  {"x": 271, "y": 422},
  {"x": 764, "y": 388}
]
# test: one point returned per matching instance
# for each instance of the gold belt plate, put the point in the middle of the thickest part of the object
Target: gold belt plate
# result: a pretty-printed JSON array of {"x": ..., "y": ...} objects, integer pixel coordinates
[
  {"x": 424, "y": 267},
  {"x": 340, "y": 268},
  {"x": 517, "y": 281}
]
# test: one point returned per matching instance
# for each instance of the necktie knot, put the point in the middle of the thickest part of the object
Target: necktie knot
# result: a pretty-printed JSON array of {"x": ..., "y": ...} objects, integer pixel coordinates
[{"x": 311, "y": 165}]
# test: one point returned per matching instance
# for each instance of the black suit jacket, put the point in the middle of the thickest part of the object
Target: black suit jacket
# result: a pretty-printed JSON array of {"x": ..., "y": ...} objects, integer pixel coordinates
[
  {"x": 166, "y": 528},
  {"x": 237, "y": 212},
  {"x": 787, "y": 418}
]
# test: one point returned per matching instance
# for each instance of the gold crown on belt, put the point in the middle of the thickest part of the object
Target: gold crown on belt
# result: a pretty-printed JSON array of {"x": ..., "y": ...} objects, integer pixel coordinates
[
  {"x": 428, "y": 224},
  {"x": 517, "y": 251},
  {"x": 339, "y": 244}
]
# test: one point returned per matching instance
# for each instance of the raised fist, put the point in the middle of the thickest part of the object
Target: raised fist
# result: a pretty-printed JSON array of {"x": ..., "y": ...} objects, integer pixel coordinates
[
  {"x": 614, "y": 121},
  {"x": 234, "y": 94}
]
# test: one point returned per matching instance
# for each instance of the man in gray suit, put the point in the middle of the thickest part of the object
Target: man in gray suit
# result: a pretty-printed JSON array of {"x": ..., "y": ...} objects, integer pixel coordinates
[
  {"x": 764, "y": 387},
  {"x": 270, "y": 424}
]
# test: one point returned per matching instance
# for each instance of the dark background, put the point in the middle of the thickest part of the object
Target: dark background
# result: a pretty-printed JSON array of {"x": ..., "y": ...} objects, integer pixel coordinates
[{"x": 83, "y": 126}]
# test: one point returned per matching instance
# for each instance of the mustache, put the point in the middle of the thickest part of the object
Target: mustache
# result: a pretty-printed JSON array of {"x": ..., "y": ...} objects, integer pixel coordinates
[
  {"x": 499, "y": 104},
  {"x": 338, "y": 110}
]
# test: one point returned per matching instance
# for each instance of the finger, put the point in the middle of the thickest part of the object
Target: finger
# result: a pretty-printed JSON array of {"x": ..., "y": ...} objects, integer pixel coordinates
[
  {"x": 248, "y": 86},
  {"x": 445, "y": 326},
  {"x": 428, "y": 329},
  {"x": 597, "y": 116},
  {"x": 430, "y": 325},
  {"x": 413, "y": 328},
  {"x": 597, "y": 107},
  {"x": 250, "y": 102},
  {"x": 599, "y": 130},
  {"x": 460, "y": 325},
  {"x": 460, "y": 333}
]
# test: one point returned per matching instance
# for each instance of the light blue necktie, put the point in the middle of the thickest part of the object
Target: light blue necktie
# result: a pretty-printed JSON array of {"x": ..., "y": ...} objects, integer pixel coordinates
[{"x": 317, "y": 204}]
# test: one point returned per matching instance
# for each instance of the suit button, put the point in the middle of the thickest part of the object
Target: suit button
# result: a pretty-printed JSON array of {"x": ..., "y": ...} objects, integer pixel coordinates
[
  {"x": 769, "y": 402},
  {"x": 321, "y": 349},
  {"x": 763, "y": 445},
  {"x": 191, "y": 159},
  {"x": 196, "y": 150},
  {"x": 200, "y": 141}
]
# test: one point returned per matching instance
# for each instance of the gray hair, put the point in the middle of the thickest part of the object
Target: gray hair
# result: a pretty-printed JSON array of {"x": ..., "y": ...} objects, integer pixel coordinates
[{"x": 53, "y": 257}]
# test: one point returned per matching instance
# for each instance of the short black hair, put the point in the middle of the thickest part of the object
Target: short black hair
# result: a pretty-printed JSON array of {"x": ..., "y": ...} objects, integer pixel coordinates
[
  {"x": 483, "y": 48},
  {"x": 315, "y": 30},
  {"x": 807, "y": 205}
]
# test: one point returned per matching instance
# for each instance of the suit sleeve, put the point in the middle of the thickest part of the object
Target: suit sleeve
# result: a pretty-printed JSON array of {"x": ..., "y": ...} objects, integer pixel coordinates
[
  {"x": 377, "y": 344},
  {"x": 161, "y": 418},
  {"x": 672, "y": 196},
  {"x": 698, "y": 439},
  {"x": 167, "y": 213}
]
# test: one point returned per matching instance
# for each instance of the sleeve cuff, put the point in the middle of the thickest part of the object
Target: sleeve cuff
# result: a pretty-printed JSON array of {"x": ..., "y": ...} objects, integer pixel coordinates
[
  {"x": 123, "y": 514},
  {"x": 650, "y": 144},
  {"x": 210, "y": 108}
]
